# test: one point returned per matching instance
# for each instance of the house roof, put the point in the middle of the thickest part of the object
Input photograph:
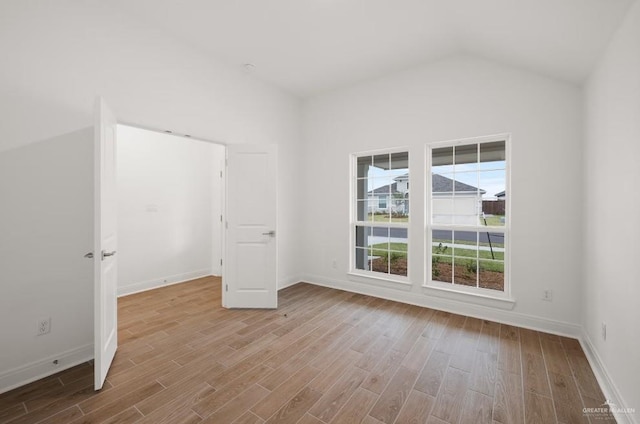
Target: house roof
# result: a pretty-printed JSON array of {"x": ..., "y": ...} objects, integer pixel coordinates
[
  {"x": 393, "y": 188},
  {"x": 440, "y": 184},
  {"x": 501, "y": 194}
]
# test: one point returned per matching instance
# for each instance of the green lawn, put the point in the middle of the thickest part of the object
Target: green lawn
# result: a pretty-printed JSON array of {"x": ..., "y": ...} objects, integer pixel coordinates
[
  {"x": 494, "y": 243},
  {"x": 385, "y": 218},
  {"x": 399, "y": 249},
  {"x": 493, "y": 221},
  {"x": 381, "y": 248},
  {"x": 467, "y": 253}
]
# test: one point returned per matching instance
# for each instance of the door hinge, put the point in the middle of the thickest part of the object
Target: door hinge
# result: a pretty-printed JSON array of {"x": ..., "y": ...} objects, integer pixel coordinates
[
  {"x": 220, "y": 218},
  {"x": 220, "y": 261},
  {"x": 220, "y": 174},
  {"x": 226, "y": 287}
]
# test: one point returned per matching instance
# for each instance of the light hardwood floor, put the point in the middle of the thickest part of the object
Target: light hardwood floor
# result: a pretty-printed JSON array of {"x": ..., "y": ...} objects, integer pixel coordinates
[{"x": 325, "y": 356}]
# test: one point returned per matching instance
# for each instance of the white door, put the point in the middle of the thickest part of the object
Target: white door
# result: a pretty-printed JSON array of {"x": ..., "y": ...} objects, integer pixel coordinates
[
  {"x": 105, "y": 261},
  {"x": 250, "y": 271}
]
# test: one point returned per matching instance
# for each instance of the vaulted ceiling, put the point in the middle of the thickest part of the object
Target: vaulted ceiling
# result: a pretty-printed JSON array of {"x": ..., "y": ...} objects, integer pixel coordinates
[{"x": 308, "y": 46}]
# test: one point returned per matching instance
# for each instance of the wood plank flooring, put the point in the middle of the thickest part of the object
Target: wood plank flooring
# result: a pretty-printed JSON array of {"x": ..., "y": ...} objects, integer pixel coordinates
[{"x": 325, "y": 356}]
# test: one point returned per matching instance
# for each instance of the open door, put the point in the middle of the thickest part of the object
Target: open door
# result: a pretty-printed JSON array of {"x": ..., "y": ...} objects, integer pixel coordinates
[
  {"x": 104, "y": 259},
  {"x": 250, "y": 271}
]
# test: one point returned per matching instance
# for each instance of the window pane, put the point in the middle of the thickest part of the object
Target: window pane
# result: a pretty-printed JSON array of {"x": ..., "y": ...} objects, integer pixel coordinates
[
  {"x": 466, "y": 198},
  {"x": 362, "y": 210},
  {"x": 399, "y": 208},
  {"x": 362, "y": 166},
  {"x": 399, "y": 166},
  {"x": 493, "y": 204},
  {"x": 363, "y": 234},
  {"x": 442, "y": 160},
  {"x": 379, "y": 243},
  {"x": 442, "y": 255},
  {"x": 362, "y": 259},
  {"x": 491, "y": 245},
  {"x": 442, "y": 209},
  {"x": 398, "y": 263},
  {"x": 466, "y": 158},
  {"x": 400, "y": 161},
  {"x": 465, "y": 252},
  {"x": 398, "y": 239},
  {"x": 381, "y": 162},
  {"x": 441, "y": 269},
  {"x": 398, "y": 243},
  {"x": 491, "y": 275},
  {"x": 442, "y": 184},
  {"x": 444, "y": 237},
  {"x": 363, "y": 187},
  {"x": 465, "y": 243},
  {"x": 492, "y": 155},
  {"x": 464, "y": 183},
  {"x": 466, "y": 271},
  {"x": 442, "y": 198}
]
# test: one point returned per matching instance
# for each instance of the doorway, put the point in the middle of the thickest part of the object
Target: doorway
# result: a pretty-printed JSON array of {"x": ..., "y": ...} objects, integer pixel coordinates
[{"x": 170, "y": 207}]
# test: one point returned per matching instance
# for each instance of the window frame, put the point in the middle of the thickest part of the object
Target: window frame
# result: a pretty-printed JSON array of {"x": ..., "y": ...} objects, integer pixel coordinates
[
  {"x": 353, "y": 222},
  {"x": 429, "y": 226}
]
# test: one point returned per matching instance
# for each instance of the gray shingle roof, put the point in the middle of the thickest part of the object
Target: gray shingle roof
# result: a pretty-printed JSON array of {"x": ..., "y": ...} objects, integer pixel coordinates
[
  {"x": 501, "y": 194},
  {"x": 442, "y": 184},
  {"x": 385, "y": 189}
]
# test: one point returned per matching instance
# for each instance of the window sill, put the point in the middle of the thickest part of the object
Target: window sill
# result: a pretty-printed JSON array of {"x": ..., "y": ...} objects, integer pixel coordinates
[
  {"x": 481, "y": 297},
  {"x": 381, "y": 280}
]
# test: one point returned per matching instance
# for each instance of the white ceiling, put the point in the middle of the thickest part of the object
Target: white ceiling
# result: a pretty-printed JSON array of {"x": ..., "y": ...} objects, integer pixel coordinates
[{"x": 309, "y": 46}]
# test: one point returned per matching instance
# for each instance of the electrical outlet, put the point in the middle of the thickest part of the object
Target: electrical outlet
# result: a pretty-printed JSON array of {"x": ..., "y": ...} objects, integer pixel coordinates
[
  {"x": 44, "y": 326},
  {"x": 547, "y": 295},
  {"x": 604, "y": 331}
]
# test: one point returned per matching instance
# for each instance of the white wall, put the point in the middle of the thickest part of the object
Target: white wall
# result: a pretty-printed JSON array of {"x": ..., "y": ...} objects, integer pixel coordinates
[
  {"x": 457, "y": 98},
  {"x": 46, "y": 227},
  {"x": 57, "y": 56},
  {"x": 167, "y": 232},
  {"x": 612, "y": 211}
]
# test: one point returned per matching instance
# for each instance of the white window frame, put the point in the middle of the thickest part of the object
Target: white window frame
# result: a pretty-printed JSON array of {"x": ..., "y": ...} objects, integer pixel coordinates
[
  {"x": 353, "y": 222},
  {"x": 429, "y": 226}
]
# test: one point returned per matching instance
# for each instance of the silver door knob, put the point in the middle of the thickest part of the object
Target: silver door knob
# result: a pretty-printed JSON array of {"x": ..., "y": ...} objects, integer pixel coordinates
[
  {"x": 107, "y": 254},
  {"x": 271, "y": 233}
]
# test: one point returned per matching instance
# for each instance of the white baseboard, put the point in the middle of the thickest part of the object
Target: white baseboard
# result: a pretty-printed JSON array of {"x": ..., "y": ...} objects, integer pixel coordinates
[
  {"x": 288, "y": 282},
  {"x": 609, "y": 388},
  {"x": 25, "y": 374},
  {"x": 452, "y": 306},
  {"x": 142, "y": 286}
]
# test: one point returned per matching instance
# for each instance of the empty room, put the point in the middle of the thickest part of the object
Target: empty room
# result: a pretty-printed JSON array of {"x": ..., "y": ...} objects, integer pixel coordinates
[{"x": 319, "y": 211}]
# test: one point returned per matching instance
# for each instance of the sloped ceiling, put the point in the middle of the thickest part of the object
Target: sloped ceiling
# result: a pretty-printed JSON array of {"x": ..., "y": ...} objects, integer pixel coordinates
[{"x": 309, "y": 46}]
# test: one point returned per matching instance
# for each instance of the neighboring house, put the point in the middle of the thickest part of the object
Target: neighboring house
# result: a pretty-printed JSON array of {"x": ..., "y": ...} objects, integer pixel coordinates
[
  {"x": 502, "y": 195},
  {"x": 460, "y": 203},
  {"x": 391, "y": 197}
]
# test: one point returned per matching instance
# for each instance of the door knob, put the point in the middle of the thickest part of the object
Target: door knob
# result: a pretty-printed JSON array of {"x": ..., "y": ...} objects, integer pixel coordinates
[
  {"x": 89, "y": 255},
  {"x": 107, "y": 254},
  {"x": 271, "y": 233}
]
